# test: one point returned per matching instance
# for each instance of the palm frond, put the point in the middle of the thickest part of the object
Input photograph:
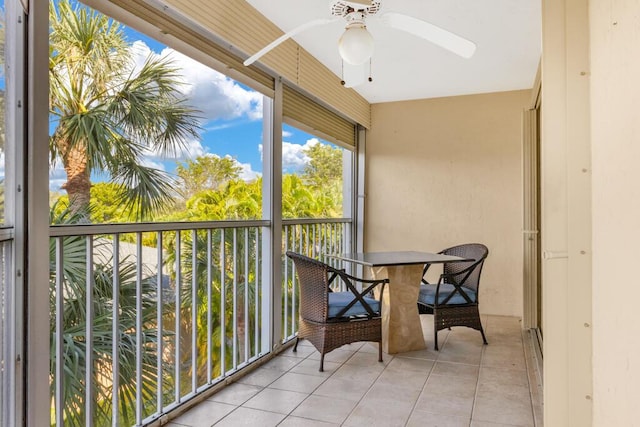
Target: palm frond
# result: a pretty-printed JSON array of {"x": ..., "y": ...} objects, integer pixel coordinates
[{"x": 145, "y": 190}]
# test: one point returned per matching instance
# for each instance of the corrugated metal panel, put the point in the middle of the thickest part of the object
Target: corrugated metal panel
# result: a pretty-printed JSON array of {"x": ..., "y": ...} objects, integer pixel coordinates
[
  {"x": 247, "y": 30},
  {"x": 244, "y": 28},
  {"x": 181, "y": 31},
  {"x": 237, "y": 27},
  {"x": 318, "y": 80},
  {"x": 318, "y": 118}
]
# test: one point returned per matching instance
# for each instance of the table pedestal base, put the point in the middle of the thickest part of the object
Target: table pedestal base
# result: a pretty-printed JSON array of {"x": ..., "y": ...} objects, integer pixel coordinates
[{"x": 401, "y": 329}]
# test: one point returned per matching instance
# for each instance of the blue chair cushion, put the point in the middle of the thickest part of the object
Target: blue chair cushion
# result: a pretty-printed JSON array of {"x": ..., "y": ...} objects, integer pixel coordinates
[
  {"x": 339, "y": 300},
  {"x": 428, "y": 294}
]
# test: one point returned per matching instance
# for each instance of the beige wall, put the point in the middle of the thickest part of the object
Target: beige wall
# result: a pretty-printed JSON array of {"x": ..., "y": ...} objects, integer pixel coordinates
[
  {"x": 566, "y": 215},
  {"x": 446, "y": 171},
  {"x": 615, "y": 110}
]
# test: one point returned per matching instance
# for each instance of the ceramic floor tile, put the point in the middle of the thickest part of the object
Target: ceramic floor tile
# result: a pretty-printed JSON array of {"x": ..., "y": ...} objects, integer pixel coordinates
[
  {"x": 455, "y": 369},
  {"x": 427, "y": 353},
  {"x": 292, "y": 421},
  {"x": 280, "y": 401},
  {"x": 261, "y": 377},
  {"x": 301, "y": 353},
  {"x": 448, "y": 395},
  {"x": 504, "y": 357},
  {"x": 204, "y": 414},
  {"x": 363, "y": 358},
  {"x": 297, "y": 382},
  {"x": 488, "y": 424},
  {"x": 394, "y": 394},
  {"x": 379, "y": 412},
  {"x": 358, "y": 373},
  {"x": 354, "y": 346},
  {"x": 403, "y": 378},
  {"x": 323, "y": 408},
  {"x": 461, "y": 351},
  {"x": 400, "y": 363},
  {"x": 235, "y": 394},
  {"x": 503, "y": 404},
  {"x": 465, "y": 380},
  {"x": 338, "y": 355},
  {"x": 282, "y": 363},
  {"x": 426, "y": 419},
  {"x": 504, "y": 322},
  {"x": 504, "y": 377},
  {"x": 242, "y": 417},
  {"x": 371, "y": 347},
  {"x": 312, "y": 367},
  {"x": 343, "y": 388}
]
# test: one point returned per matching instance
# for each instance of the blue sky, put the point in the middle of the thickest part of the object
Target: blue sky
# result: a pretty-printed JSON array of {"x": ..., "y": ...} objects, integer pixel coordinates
[{"x": 232, "y": 117}]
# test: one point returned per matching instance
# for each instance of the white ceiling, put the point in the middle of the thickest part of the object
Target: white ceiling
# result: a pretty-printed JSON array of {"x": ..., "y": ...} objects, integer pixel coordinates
[{"x": 506, "y": 32}]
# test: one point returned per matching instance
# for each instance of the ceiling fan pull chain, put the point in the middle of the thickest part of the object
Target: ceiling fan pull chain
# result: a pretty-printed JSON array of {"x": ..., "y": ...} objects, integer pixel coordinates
[
  {"x": 370, "y": 78},
  {"x": 342, "y": 82}
]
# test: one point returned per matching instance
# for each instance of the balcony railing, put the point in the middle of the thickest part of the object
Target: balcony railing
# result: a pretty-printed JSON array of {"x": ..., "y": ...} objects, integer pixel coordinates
[
  {"x": 7, "y": 301},
  {"x": 146, "y": 316}
]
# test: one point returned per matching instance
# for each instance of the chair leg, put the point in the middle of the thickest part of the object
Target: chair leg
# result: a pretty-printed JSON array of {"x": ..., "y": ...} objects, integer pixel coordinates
[
  {"x": 295, "y": 346},
  {"x": 484, "y": 339},
  {"x": 380, "y": 351},
  {"x": 321, "y": 363},
  {"x": 435, "y": 334}
]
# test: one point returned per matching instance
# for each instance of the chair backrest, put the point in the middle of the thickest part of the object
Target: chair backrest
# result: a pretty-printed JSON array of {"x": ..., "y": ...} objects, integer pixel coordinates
[
  {"x": 476, "y": 251},
  {"x": 313, "y": 281}
]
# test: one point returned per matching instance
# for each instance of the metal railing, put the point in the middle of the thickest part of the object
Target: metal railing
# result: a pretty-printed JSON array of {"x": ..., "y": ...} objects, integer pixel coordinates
[
  {"x": 6, "y": 315},
  {"x": 314, "y": 238},
  {"x": 146, "y": 316}
]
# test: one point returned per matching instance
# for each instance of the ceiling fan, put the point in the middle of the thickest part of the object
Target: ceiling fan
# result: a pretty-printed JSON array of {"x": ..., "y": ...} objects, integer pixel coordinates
[{"x": 356, "y": 43}]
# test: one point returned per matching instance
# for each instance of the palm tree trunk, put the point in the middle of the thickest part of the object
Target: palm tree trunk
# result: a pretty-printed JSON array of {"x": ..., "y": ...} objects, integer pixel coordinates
[{"x": 78, "y": 185}]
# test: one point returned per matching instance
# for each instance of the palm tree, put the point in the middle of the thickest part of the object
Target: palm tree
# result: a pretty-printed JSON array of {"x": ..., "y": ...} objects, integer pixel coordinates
[
  {"x": 74, "y": 324},
  {"x": 108, "y": 114}
]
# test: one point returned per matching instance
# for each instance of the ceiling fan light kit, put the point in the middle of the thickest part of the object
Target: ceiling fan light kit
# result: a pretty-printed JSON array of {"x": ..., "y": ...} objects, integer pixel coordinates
[{"x": 356, "y": 43}]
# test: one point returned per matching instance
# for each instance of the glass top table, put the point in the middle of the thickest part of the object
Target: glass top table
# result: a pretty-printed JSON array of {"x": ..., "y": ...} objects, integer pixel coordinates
[
  {"x": 377, "y": 259},
  {"x": 401, "y": 328}
]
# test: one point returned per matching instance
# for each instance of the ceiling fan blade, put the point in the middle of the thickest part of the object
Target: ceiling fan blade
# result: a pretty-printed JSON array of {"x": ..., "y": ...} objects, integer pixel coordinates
[
  {"x": 354, "y": 75},
  {"x": 436, "y": 35},
  {"x": 250, "y": 60}
]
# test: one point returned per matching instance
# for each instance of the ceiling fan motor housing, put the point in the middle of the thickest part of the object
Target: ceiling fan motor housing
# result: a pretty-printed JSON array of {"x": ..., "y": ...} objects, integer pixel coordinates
[{"x": 344, "y": 8}]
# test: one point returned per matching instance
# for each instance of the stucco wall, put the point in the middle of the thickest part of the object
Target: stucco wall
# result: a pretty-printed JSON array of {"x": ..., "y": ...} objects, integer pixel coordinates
[
  {"x": 446, "y": 171},
  {"x": 615, "y": 127}
]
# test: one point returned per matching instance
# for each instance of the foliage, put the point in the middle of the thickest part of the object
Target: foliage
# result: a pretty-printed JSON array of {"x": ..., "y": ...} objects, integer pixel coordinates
[
  {"x": 108, "y": 114},
  {"x": 102, "y": 206},
  {"x": 206, "y": 173},
  {"x": 325, "y": 165},
  {"x": 74, "y": 320}
]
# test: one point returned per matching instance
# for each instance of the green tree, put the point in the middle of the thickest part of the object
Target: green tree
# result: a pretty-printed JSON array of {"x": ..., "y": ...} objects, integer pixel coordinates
[
  {"x": 298, "y": 199},
  {"x": 325, "y": 165},
  {"x": 108, "y": 114},
  {"x": 206, "y": 173},
  {"x": 323, "y": 175}
]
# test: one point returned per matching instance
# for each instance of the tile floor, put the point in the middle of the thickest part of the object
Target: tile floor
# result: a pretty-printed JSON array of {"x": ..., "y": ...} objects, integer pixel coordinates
[{"x": 464, "y": 384}]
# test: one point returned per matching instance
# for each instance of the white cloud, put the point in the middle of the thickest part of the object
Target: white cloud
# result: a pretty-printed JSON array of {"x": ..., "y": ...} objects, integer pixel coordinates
[
  {"x": 286, "y": 133},
  {"x": 293, "y": 155},
  {"x": 215, "y": 95},
  {"x": 191, "y": 149},
  {"x": 57, "y": 176},
  {"x": 247, "y": 173},
  {"x": 150, "y": 163}
]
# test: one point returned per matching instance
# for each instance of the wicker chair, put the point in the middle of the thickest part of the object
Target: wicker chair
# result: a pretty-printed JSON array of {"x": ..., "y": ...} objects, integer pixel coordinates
[
  {"x": 454, "y": 299},
  {"x": 332, "y": 319}
]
